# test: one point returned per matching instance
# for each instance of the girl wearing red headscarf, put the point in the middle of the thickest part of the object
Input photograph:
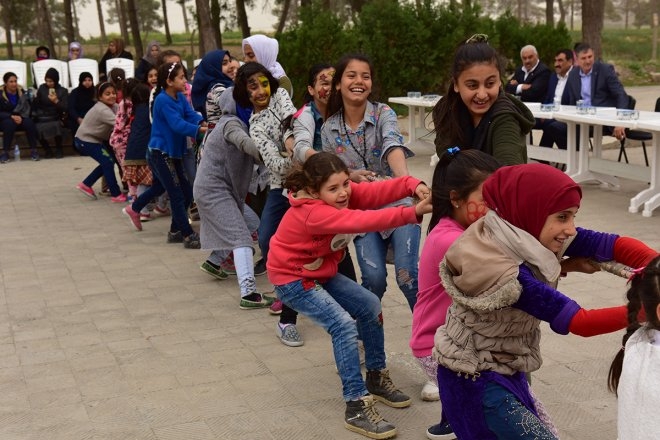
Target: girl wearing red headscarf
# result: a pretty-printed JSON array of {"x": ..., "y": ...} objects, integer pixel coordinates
[{"x": 502, "y": 276}]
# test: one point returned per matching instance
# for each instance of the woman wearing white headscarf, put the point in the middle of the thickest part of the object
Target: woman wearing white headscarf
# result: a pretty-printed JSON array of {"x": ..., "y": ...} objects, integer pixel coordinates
[{"x": 264, "y": 50}]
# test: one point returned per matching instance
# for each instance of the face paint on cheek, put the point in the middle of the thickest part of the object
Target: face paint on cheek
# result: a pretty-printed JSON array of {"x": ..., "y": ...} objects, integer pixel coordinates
[
  {"x": 265, "y": 85},
  {"x": 323, "y": 93},
  {"x": 475, "y": 211}
]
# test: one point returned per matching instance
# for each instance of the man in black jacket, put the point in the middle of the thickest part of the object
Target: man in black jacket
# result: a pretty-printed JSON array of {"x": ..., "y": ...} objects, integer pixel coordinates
[{"x": 530, "y": 81}]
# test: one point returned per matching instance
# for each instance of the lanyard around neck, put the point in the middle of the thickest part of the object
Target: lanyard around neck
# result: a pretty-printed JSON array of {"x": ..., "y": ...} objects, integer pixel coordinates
[{"x": 362, "y": 151}]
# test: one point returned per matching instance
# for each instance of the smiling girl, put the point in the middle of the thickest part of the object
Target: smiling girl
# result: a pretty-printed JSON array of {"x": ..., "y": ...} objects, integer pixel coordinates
[
  {"x": 502, "y": 276},
  {"x": 476, "y": 113},
  {"x": 327, "y": 210},
  {"x": 366, "y": 137},
  {"x": 92, "y": 140}
]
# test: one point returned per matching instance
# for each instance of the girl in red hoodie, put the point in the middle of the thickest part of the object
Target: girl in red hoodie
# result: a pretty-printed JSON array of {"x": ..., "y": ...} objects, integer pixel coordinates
[{"x": 327, "y": 211}]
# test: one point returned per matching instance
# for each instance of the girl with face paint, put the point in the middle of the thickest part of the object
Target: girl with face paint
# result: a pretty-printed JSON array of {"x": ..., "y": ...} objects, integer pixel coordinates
[
  {"x": 272, "y": 108},
  {"x": 457, "y": 203}
]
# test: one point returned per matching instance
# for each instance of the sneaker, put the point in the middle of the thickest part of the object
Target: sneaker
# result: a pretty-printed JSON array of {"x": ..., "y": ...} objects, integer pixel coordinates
[
  {"x": 192, "y": 241},
  {"x": 260, "y": 268},
  {"x": 121, "y": 198},
  {"x": 174, "y": 237},
  {"x": 228, "y": 265},
  {"x": 89, "y": 192},
  {"x": 361, "y": 417},
  {"x": 4, "y": 158},
  {"x": 441, "y": 431},
  {"x": 145, "y": 217},
  {"x": 34, "y": 155},
  {"x": 383, "y": 389},
  {"x": 289, "y": 335},
  {"x": 135, "y": 218},
  {"x": 161, "y": 211},
  {"x": 213, "y": 270},
  {"x": 430, "y": 392},
  {"x": 275, "y": 308},
  {"x": 256, "y": 301}
]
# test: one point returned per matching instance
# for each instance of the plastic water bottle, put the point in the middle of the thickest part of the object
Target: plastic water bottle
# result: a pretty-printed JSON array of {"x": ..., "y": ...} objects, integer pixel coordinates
[{"x": 17, "y": 153}]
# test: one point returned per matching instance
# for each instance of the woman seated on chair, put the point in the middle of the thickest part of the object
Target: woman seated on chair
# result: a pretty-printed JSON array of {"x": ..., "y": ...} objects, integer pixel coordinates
[
  {"x": 15, "y": 116},
  {"x": 115, "y": 50},
  {"x": 49, "y": 112}
]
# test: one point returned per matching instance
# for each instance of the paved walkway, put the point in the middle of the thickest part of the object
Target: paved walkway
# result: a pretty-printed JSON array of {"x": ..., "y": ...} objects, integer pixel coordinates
[{"x": 108, "y": 333}]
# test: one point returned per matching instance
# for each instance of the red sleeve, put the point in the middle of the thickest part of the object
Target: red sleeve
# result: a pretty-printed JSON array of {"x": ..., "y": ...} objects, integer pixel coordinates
[
  {"x": 599, "y": 321},
  {"x": 633, "y": 252}
]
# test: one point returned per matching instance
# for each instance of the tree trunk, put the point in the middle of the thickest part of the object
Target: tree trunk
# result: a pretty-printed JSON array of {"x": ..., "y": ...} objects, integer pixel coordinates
[
  {"x": 135, "y": 27},
  {"x": 206, "y": 36},
  {"x": 68, "y": 21},
  {"x": 241, "y": 16},
  {"x": 6, "y": 18},
  {"x": 184, "y": 13},
  {"x": 166, "y": 22},
  {"x": 550, "y": 12},
  {"x": 44, "y": 12},
  {"x": 76, "y": 26},
  {"x": 593, "y": 14},
  {"x": 99, "y": 10},
  {"x": 304, "y": 3},
  {"x": 215, "y": 21},
  {"x": 286, "y": 5},
  {"x": 562, "y": 11},
  {"x": 121, "y": 8}
]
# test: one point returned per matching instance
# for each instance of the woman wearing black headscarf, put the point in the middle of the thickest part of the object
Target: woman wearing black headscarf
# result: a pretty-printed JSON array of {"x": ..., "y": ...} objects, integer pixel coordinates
[
  {"x": 50, "y": 107},
  {"x": 210, "y": 81},
  {"x": 81, "y": 99}
]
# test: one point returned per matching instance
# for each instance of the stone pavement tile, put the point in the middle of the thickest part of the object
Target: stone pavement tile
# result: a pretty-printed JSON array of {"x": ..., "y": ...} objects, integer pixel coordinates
[
  {"x": 249, "y": 426},
  {"x": 167, "y": 407},
  {"x": 102, "y": 383},
  {"x": 192, "y": 431},
  {"x": 16, "y": 424},
  {"x": 40, "y": 351}
]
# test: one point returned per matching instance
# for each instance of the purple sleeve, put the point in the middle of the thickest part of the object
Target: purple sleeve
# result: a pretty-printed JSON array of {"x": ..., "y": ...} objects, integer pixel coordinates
[
  {"x": 545, "y": 303},
  {"x": 594, "y": 244}
]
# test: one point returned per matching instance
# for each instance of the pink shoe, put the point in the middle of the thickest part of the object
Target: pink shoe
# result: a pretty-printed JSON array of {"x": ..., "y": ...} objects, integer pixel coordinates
[
  {"x": 275, "y": 308},
  {"x": 89, "y": 192},
  {"x": 121, "y": 198},
  {"x": 134, "y": 216}
]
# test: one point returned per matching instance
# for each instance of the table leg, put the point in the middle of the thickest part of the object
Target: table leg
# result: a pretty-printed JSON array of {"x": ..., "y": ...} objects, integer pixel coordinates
[
  {"x": 583, "y": 173},
  {"x": 651, "y": 196}
]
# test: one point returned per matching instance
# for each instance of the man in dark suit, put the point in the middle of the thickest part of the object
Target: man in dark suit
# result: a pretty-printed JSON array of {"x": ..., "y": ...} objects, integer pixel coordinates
[
  {"x": 595, "y": 83},
  {"x": 556, "y": 86},
  {"x": 530, "y": 81}
]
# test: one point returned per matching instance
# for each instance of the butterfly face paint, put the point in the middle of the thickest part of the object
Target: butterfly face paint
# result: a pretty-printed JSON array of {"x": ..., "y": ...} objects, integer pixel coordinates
[
  {"x": 321, "y": 89},
  {"x": 258, "y": 88}
]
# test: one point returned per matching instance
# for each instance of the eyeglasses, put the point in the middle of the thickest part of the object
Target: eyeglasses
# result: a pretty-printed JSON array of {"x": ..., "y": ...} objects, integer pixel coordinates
[{"x": 477, "y": 38}]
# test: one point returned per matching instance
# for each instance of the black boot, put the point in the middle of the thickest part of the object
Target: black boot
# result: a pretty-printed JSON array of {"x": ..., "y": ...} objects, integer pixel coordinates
[
  {"x": 381, "y": 386},
  {"x": 48, "y": 152},
  {"x": 361, "y": 417},
  {"x": 59, "y": 153}
]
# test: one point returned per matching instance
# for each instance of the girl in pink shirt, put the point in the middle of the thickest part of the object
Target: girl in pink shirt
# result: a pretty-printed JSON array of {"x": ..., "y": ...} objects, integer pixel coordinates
[{"x": 457, "y": 203}]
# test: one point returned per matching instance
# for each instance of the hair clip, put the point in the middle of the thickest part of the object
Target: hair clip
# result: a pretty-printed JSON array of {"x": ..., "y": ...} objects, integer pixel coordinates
[
  {"x": 477, "y": 38},
  {"x": 453, "y": 151},
  {"x": 636, "y": 272},
  {"x": 169, "y": 72}
]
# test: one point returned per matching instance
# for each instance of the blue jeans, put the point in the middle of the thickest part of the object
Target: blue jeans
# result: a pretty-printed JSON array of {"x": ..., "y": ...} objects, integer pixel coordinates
[
  {"x": 333, "y": 305},
  {"x": 275, "y": 208},
  {"x": 507, "y": 418},
  {"x": 169, "y": 174},
  {"x": 106, "y": 166},
  {"x": 371, "y": 250}
]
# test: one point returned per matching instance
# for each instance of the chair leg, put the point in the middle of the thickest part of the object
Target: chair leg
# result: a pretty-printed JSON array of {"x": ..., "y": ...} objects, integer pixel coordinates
[
  {"x": 646, "y": 157},
  {"x": 622, "y": 151}
]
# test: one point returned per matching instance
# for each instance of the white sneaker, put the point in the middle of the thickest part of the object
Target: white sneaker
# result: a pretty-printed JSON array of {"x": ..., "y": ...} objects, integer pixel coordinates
[{"x": 430, "y": 392}]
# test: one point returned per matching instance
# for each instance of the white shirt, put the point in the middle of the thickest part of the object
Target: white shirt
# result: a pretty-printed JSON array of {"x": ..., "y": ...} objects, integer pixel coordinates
[{"x": 561, "y": 84}]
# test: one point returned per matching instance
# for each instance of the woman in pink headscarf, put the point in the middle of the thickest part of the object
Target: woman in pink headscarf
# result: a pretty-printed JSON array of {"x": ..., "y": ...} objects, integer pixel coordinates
[{"x": 264, "y": 50}]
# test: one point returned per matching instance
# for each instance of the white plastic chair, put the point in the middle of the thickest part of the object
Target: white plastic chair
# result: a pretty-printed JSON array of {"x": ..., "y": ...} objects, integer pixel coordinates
[
  {"x": 185, "y": 64},
  {"x": 18, "y": 67},
  {"x": 76, "y": 67},
  {"x": 122, "y": 63},
  {"x": 196, "y": 62},
  {"x": 39, "y": 69}
]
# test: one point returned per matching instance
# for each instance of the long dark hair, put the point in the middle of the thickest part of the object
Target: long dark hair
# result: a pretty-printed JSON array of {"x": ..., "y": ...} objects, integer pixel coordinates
[
  {"x": 241, "y": 95},
  {"x": 461, "y": 171},
  {"x": 314, "y": 172},
  {"x": 644, "y": 293},
  {"x": 446, "y": 112},
  {"x": 166, "y": 71},
  {"x": 335, "y": 102}
]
